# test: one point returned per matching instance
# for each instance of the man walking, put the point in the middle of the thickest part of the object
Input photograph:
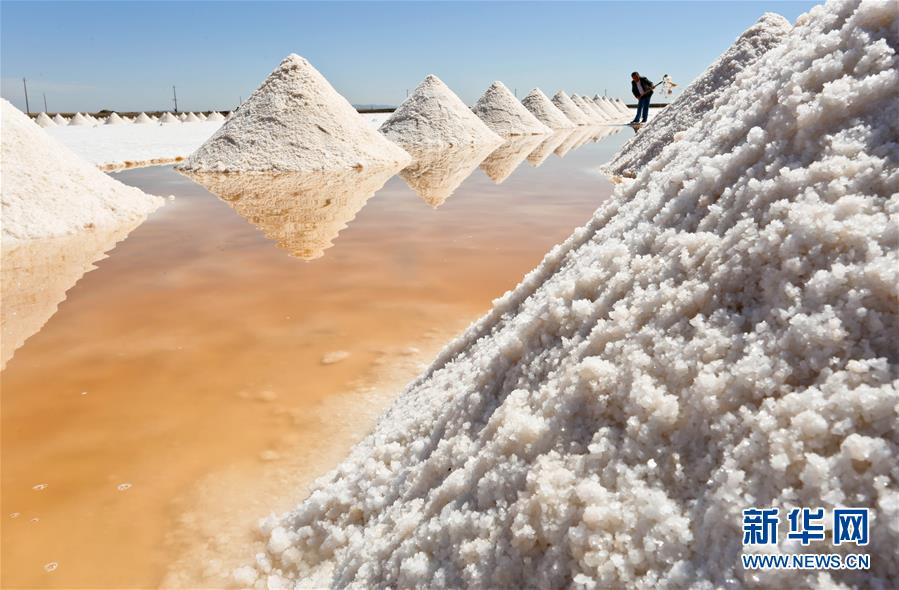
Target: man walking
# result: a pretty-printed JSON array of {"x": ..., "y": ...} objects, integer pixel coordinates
[{"x": 642, "y": 89}]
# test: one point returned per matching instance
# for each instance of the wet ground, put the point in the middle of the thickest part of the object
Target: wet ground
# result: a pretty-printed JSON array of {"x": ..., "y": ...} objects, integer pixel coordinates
[{"x": 238, "y": 342}]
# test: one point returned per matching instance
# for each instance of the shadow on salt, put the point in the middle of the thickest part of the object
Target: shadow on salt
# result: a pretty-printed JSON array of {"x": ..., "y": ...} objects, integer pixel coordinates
[
  {"x": 37, "y": 274},
  {"x": 303, "y": 212}
]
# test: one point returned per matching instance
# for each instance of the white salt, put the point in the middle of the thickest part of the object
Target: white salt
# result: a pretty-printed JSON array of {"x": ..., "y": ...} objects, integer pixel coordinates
[
  {"x": 215, "y": 116},
  {"x": 60, "y": 120},
  {"x": 500, "y": 164},
  {"x": 700, "y": 96},
  {"x": 43, "y": 120},
  {"x": 78, "y": 119},
  {"x": 49, "y": 191},
  {"x": 295, "y": 121},
  {"x": 143, "y": 119},
  {"x": 201, "y": 116},
  {"x": 608, "y": 421},
  {"x": 571, "y": 110},
  {"x": 114, "y": 119},
  {"x": 190, "y": 118},
  {"x": 545, "y": 111},
  {"x": 502, "y": 112},
  {"x": 168, "y": 119},
  {"x": 435, "y": 174},
  {"x": 433, "y": 117}
]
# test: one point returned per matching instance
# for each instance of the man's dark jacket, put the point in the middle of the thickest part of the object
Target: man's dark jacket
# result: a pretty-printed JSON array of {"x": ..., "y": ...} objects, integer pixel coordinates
[{"x": 647, "y": 86}]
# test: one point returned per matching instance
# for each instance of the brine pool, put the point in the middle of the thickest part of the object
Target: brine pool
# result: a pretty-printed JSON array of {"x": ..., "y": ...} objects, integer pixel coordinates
[{"x": 158, "y": 400}]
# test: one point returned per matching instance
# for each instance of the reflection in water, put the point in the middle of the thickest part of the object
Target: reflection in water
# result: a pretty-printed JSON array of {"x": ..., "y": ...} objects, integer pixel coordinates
[
  {"x": 577, "y": 138},
  {"x": 435, "y": 174},
  {"x": 548, "y": 146},
  {"x": 302, "y": 212},
  {"x": 36, "y": 275},
  {"x": 507, "y": 157},
  {"x": 604, "y": 132}
]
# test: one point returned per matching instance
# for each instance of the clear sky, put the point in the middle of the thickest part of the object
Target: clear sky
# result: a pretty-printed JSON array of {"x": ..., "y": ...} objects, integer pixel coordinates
[{"x": 126, "y": 56}]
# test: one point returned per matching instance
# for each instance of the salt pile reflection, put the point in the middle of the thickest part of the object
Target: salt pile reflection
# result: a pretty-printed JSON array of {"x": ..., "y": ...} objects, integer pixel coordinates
[
  {"x": 435, "y": 174},
  {"x": 500, "y": 164}
]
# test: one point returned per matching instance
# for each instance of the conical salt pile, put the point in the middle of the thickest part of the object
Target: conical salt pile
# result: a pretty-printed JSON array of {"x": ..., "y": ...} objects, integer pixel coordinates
[
  {"x": 295, "y": 121},
  {"x": 114, "y": 119},
  {"x": 80, "y": 120},
  {"x": 49, "y": 191},
  {"x": 190, "y": 118},
  {"x": 571, "y": 110},
  {"x": 505, "y": 159},
  {"x": 622, "y": 107},
  {"x": 143, "y": 119},
  {"x": 606, "y": 108},
  {"x": 182, "y": 117},
  {"x": 302, "y": 212},
  {"x": 433, "y": 117},
  {"x": 721, "y": 336},
  {"x": 700, "y": 96},
  {"x": 545, "y": 111},
  {"x": 60, "y": 120},
  {"x": 614, "y": 107},
  {"x": 500, "y": 110},
  {"x": 215, "y": 116},
  {"x": 168, "y": 119},
  {"x": 155, "y": 119},
  {"x": 590, "y": 109},
  {"x": 200, "y": 116},
  {"x": 44, "y": 121}
]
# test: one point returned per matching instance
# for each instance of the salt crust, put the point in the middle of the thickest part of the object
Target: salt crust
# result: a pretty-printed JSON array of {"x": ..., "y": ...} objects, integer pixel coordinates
[
  {"x": 500, "y": 110},
  {"x": 49, "y": 191},
  {"x": 572, "y": 111},
  {"x": 720, "y": 335},
  {"x": 295, "y": 122},
  {"x": 545, "y": 111},
  {"x": 700, "y": 96},
  {"x": 433, "y": 117}
]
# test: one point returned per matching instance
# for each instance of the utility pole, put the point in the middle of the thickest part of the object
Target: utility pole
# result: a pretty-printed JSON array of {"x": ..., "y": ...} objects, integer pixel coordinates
[
  {"x": 45, "y": 102},
  {"x": 175, "y": 98},
  {"x": 27, "y": 108},
  {"x": 516, "y": 93}
]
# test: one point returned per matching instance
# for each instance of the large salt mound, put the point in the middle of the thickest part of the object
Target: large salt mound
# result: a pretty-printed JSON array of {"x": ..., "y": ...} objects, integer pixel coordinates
[
  {"x": 49, "y": 191},
  {"x": 590, "y": 108},
  {"x": 295, "y": 121},
  {"x": 700, "y": 96},
  {"x": 721, "y": 335},
  {"x": 190, "y": 118},
  {"x": 80, "y": 120},
  {"x": 143, "y": 119},
  {"x": 500, "y": 110},
  {"x": 606, "y": 108},
  {"x": 43, "y": 120},
  {"x": 215, "y": 116},
  {"x": 569, "y": 109},
  {"x": 539, "y": 105},
  {"x": 433, "y": 117},
  {"x": 115, "y": 119},
  {"x": 168, "y": 119},
  {"x": 60, "y": 120}
]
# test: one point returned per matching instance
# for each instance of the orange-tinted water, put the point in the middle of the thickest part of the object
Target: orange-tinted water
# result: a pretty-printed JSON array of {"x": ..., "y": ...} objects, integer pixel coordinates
[{"x": 201, "y": 376}]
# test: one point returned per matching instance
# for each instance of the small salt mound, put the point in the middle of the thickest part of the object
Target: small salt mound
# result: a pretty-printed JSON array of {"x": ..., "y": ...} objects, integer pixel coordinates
[
  {"x": 499, "y": 165},
  {"x": 80, "y": 120},
  {"x": 168, "y": 119},
  {"x": 548, "y": 146},
  {"x": 190, "y": 118},
  {"x": 590, "y": 109},
  {"x": 302, "y": 212},
  {"x": 43, "y": 120},
  {"x": 49, "y": 191},
  {"x": 433, "y": 117},
  {"x": 700, "y": 96},
  {"x": 607, "y": 109},
  {"x": 571, "y": 110},
  {"x": 502, "y": 112},
  {"x": 115, "y": 119},
  {"x": 201, "y": 116},
  {"x": 182, "y": 117},
  {"x": 60, "y": 120},
  {"x": 295, "y": 121},
  {"x": 545, "y": 111},
  {"x": 435, "y": 174},
  {"x": 622, "y": 107},
  {"x": 215, "y": 116},
  {"x": 721, "y": 335},
  {"x": 143, "y": 119}
]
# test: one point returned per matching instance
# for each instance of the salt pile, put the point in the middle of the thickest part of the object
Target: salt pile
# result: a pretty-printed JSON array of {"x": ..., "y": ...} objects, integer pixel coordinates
[
  {"x": 590, "y": 109},
  {"x": 433, "y": 117},
  {"x": 436, "y": 174},
  {"x": 115, "y": 119},
  {"x": 190, "y": 118},
  {"x": 700, "y": 96},
  {"x": 720, "y": 336},
  {"x": 603, "y": 105},
  {"x": 545, "y": 111},
  {"x": 295, "y": 121},
  {"x": 168, "y": 119},
  {"x": 200, "y": 116},
  {"x": 571, "y": 110},
  {"x": 60, "y": 120},
  {"x": 44, "y": 121},
  {"x": 502, "y": 112},
  {"x": 302, "y": 212},
  {"x": 182, "y": 117},
  {"x": 215, "y": 116},
  {"x": 79, "y": 120},
  {"x": 49, "y": 191},
  {"x": 143, "y": 119},
  {"x": 622, "y": 107},
  {"x": 500, "y": 164}
]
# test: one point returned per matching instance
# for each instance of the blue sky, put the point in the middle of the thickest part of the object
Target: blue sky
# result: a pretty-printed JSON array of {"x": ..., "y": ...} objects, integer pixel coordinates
[{"x": 127, "y": 55}]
